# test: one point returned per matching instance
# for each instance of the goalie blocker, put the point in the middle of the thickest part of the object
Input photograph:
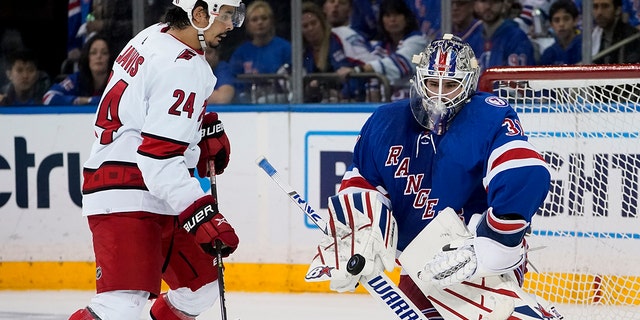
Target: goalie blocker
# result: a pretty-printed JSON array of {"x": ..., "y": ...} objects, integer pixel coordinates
[{"x": 361, "y": 241}]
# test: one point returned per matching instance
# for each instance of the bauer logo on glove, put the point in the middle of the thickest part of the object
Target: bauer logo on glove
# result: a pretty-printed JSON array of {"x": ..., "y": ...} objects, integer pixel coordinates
[
  {"x": 212, "y": 130},
  {"x": 208, "y": 225},
  {"x": 214, "y": 145},
  {"x": 201, "y": 215}
]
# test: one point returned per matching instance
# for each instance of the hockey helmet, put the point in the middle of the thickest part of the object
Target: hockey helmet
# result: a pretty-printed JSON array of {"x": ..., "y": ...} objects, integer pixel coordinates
[
  {"x": 214, "y": 10},
  {"x": 448, "y": 59}
]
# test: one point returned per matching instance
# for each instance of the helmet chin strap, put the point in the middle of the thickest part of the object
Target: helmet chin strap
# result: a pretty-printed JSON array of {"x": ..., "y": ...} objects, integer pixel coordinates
[
  {"x": 203, "y": 44},
  {"x": 201, "y": 31}
]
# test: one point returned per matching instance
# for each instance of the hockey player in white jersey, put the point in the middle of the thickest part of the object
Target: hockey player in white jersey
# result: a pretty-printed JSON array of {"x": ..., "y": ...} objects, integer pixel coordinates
[{"x": 148, "y": 215}]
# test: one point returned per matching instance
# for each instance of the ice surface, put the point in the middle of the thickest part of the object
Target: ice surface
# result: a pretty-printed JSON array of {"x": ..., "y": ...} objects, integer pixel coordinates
[{"x": 58, "y": 305}]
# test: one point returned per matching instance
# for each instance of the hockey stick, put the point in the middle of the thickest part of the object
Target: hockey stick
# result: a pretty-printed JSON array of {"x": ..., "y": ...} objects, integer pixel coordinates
[
  {"x": 378, "y": 285},
  {"x": 218, "y": 243}
]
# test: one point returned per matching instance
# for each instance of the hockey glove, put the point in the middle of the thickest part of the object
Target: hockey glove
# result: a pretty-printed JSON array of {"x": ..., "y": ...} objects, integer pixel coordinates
[
  {"x": 360, "y": 224},
  {"x": 497, "y": 248},
  {"x": 213, "y": 144},
  {"x": 207, "y": 225}
]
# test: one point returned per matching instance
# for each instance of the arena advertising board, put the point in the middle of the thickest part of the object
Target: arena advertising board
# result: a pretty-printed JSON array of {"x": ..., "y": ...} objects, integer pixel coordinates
[{"x": 42, "y": 155}]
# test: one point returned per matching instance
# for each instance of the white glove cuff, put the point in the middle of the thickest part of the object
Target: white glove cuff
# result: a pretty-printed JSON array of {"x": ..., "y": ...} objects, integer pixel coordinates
[
  {"x": 495, "y": 258},
  {"x": 474, "y": 221}
]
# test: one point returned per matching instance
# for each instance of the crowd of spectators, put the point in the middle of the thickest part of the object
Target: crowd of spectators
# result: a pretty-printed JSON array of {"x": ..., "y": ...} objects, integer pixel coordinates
[
  {"x": 359, "y": 42},
  {"x": 85, "y": 86}
]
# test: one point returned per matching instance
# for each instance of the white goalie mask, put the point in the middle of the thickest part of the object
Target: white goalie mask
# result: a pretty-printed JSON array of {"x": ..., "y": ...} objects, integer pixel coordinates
[
  {"x": 450, "y": 67},
  {"x": 213, "y": 7}
]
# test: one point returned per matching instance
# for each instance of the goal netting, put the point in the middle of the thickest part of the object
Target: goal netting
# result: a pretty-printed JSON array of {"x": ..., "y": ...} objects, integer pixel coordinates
[{"x": 585, "y": 119}]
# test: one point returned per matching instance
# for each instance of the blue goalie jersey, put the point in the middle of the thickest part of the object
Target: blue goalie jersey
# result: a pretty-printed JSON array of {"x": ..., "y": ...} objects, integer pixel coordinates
[{"x": 483, "y": 160}]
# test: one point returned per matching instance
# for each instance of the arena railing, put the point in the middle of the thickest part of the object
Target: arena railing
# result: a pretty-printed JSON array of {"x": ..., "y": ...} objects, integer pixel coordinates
[{"x": 319, "y": 88}]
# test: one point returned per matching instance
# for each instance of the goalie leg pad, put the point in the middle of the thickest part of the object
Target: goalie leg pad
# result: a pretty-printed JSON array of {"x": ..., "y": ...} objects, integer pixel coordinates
[{"x": 416, "y": 296}]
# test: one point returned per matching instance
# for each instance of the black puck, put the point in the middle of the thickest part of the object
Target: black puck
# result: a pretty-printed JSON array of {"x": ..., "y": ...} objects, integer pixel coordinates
[{"x": 355, "y": 264}]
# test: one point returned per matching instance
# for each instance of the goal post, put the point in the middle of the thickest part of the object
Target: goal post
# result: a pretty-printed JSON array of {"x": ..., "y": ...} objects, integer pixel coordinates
[{"x": 585, "y": 119}]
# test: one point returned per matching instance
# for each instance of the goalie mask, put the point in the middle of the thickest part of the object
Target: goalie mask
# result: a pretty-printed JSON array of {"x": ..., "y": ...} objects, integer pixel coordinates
[
  {"x": 446, "y": 77},
  {"x": 213, "y": 7}
]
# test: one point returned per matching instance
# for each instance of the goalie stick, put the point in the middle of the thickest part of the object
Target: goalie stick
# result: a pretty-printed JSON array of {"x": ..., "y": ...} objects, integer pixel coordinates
[
  {"x": 218, "y": 243},
  {"x": 378, "y": 285}
]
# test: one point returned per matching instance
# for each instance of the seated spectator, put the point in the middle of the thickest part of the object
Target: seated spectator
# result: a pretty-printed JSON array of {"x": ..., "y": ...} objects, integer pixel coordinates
[
  {"x": 10, "y": 39},
  {"x": 365, "y": 15},
  {"x": 609, "y": 30},
  {"x": 27, "y": 83},
  {"x": 401, "y": 39},
  {"x": 465, "y": 25},
  {"x": 224, "y": 91},
  {"x": 323, "y": 53},
  {"x": 364, "y": 18},
  {"x": 355, "y": 47},
  {"x": 263, "y": 53},
  {"x": 567, "y": 49},
  {"x": 532, "y": 16},
  {"x": 630, "y": 11},
  {"x": 316, "y": 40},
  {"x": 85, "y": 86},
  {"x": 505, "y": 44}
]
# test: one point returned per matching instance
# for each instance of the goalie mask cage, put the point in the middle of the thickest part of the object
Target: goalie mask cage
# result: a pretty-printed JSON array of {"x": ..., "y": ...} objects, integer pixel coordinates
[{"x": 585, "y": 120}]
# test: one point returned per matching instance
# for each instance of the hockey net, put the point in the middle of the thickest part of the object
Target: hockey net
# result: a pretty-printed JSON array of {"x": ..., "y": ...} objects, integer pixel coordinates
[{"x": 586, "y": 122}]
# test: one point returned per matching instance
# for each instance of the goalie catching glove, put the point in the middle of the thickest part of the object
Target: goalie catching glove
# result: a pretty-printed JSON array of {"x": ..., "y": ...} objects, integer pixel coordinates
[
  {"x": 359, "y": 224},
  {"x": 207, "y": 225},
  {"x": 496, "y": 248}
]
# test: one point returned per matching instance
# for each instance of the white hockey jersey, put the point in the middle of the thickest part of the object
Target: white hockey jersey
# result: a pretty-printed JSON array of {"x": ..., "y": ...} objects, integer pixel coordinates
[
  {"x": 355, "y": 47},
  {"x": 147, "y": 128}
]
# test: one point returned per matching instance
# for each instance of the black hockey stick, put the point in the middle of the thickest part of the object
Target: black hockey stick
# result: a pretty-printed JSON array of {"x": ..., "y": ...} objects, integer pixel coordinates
[{"x": 218, "y": 261}]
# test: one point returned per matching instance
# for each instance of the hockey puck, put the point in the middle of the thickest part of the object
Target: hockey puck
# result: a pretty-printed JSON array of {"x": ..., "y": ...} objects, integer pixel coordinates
[{"x": 356, "y": 264}]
